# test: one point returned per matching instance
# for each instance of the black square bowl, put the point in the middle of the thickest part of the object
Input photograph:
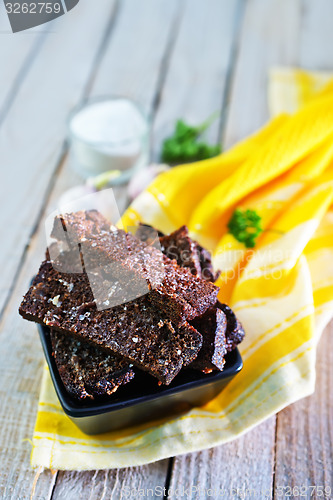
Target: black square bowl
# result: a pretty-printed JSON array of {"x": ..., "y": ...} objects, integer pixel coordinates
[{"x": 142, "y": 399}]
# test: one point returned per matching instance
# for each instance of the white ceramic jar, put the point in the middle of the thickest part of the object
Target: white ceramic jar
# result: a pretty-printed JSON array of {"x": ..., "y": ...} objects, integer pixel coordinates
[{"x": 108, "y": 134}]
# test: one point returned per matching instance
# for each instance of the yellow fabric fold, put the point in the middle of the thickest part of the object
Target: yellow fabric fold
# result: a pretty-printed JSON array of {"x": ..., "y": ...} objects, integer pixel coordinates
[{"x": 282, "y": 290}]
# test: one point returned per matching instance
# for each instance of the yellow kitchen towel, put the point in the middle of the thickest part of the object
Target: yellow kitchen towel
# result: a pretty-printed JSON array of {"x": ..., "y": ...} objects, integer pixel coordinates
[{"x": 282, "y": 290}]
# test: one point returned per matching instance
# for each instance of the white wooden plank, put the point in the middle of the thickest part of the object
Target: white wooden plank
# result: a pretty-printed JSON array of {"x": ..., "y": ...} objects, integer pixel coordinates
[
  {"x": 270, "y": 36},
  {"x": 262, "y": 45},
  {"x": 16, "y": 53},
  {"x": 32, "y": 135},
  {"x": 29, "y": 151},
  {"x": 316, "y": 40},
  {"x": 134, "y": 482},
  {"x": 304, "y": 448},
  {"x": 21, "y": 398},
  {"x": 127, "y": 477},
  {"x": 19, "y": 469},
  {"x": 21, "y": 361},
  {"x": 242, "y": 469},
  {"x": 196, "y": 79},
  {"x": 247, "y": 463},
  {"x": 131, "y": 65},
  {"x": 150, "y": 33}
]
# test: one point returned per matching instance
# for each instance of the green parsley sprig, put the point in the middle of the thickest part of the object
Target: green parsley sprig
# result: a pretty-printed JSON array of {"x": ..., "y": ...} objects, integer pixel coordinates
[
  {"x": 245, "y": 226},
  {"x": 183, "y": 146}
]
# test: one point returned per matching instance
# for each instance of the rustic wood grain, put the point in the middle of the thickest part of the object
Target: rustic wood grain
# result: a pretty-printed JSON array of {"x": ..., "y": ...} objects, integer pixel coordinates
[
  {"x": 27, "y": 171},
  {"x": 18, "y": 413},
  {"x": 270, "y": 36},
  {"x": 117, "y": 480},
  {"x": 32, "y": 135},
  {"x": 196, "y": 80},
  {"x": 304, "y": 431},
  {"x": 134, "y": 482},
  {"x": 19, "y": 395},
  {"x": 138, "y": 82},
  {"x": 241, "y": 469},
  {"x": 304, "y": 448},
  {"x": 16, "y": 55},
  {"x": 21, "y": 362},
  {"x": 247, "y": 464},
  {"x": 316, "y": 47},
  {"x": 133, "y": 61}
]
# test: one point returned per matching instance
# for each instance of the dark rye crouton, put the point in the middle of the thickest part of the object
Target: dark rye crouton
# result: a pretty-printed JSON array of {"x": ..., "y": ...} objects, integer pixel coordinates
[
  {"x": 87, "y": 371},
  {"x": 234, "y": 332},
  {"x": 212, "y": 326},
  {"x": 179, "y": 246},
  {"x": 187, "y": 252},
  {"x": 173, "y": 289},
  {"x": 137, "y": 331}
]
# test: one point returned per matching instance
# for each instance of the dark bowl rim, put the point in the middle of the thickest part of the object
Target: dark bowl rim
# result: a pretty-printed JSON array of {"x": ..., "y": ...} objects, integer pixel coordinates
[{"x": 75, "y": 410}]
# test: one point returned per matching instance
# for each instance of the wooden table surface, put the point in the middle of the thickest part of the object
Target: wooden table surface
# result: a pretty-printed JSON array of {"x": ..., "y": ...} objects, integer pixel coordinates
[{"x": 177, "y": 58}]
